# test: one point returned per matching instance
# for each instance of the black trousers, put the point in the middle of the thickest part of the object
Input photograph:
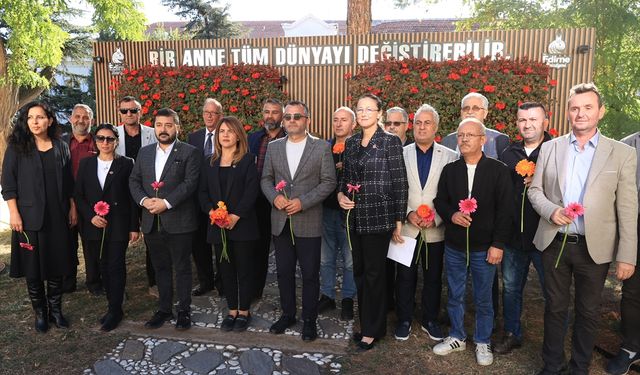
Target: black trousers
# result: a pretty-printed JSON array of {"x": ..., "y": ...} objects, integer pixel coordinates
[
  {"x": 630, "y": 309},
  {"x": 306, "y": 252},
  {"x": 113, "y": 269},
  {"x": 369, "y": 272},
  {"x": 407, "y": 278},
  {"x": 237, "y": 274},
  {"x": 588, "y": 278},
  {"x": 93, "y": 274},
  {"x": 263, "y": 245},
  {"x": 171, "y": 253},
  {"x": 69, "y": 281},
  {"x": 203, "y": 254}
]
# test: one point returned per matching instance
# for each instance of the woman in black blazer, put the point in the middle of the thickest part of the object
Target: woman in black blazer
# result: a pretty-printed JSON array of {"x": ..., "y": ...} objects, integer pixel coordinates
[
  {"x": 232, "y": 177},
  {"x": 105, "y": 177},
  {"x": 373, "y": 159},
  {"x": 37, "y": 184}
]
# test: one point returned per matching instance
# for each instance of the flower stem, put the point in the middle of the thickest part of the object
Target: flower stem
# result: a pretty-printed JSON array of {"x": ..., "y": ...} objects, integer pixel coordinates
[
  {"x": 224, "y": 255},
  {"x": 27, "y": 237},
  {"x": 524, "y": 193},
  {"x": 467, "y": 247},
  {"x": 564, "y": 240},
  {"x": 102, "y": 242}
]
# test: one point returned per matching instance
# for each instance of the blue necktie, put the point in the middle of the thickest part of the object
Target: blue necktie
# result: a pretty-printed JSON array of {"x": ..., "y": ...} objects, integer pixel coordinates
[{"x": 207, "y": 145}]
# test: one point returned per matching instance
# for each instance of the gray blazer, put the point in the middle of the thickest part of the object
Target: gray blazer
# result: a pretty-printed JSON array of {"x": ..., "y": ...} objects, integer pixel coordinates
[
  {"x": 180, "y": 176},
  {"x": 314, "y": 180},
  {"x": 147, "y": 136}
]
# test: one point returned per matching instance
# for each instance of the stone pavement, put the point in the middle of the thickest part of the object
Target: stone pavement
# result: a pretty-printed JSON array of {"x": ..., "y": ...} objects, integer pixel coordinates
[{"x": 205, "y": 349}]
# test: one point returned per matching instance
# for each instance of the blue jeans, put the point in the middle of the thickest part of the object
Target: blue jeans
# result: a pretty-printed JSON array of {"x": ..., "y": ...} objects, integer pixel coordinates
[
  {"x": 515, "y": 268},
  {"x": 482, "y": 274},
  {"x": 334, "y": 241}
]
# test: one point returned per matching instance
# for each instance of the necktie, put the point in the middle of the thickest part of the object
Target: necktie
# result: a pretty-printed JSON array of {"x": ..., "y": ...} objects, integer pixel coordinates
[{"x": 207, "y": 145}]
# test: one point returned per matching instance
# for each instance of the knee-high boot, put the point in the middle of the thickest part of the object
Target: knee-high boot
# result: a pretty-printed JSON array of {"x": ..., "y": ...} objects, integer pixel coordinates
[
  {"x": 54, "y": 296},
  {"x": 36, "y": 294}
]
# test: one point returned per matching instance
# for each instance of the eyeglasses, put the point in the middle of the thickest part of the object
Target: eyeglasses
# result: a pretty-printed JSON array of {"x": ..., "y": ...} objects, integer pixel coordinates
[
  {"x": 102, "y": 138},
  {"x": 368, "y": 110},
  {"x": 133, "y": 111},
  {"x": 295, "y": 116},
  {"x": 394, "y": 123},
  {"x": 468, "y": 135},
  {"x": 475, "y": 108},
  {"x": 210, "y": 113}
]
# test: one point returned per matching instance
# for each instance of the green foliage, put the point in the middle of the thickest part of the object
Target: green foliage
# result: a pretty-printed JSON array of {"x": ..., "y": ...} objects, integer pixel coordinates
[
  {"x": 205, "y": 20},
  {"x": 241, "y": 89},
  {"x": 617, "y": 24},
  {"x": 411, "y": 82}
]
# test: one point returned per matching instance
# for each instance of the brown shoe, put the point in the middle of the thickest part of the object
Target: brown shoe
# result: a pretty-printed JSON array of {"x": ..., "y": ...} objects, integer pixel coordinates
[{"x": 509, "y": 342}]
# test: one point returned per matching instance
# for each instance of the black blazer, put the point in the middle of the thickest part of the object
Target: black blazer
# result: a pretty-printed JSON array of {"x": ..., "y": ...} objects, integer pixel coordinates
[
  {"x": 239, "y": 195},
  {"x": 123, "y": 214},
  {"x": 196, "y": 139},
  {"x": 383, "y": 196},
  {"x": 23, "y": 180},
  {"x": 493, "y": 191}
]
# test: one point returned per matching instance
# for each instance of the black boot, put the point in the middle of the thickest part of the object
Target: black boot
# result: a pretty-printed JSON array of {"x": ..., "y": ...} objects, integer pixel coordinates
[
  {"x": 36, "y": 294},
  {"x": 54, "y": 295}
]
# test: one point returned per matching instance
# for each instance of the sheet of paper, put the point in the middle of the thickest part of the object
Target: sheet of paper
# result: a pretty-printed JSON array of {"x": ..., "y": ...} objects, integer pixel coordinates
[{"x": 402, "y": 252}]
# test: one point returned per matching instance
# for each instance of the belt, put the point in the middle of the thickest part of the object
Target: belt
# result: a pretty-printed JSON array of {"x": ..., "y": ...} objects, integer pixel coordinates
[{"x": 572, "y": 239}]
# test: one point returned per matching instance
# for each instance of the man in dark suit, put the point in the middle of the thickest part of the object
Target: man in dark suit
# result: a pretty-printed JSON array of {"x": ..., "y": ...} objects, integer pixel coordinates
[
  {"x": 81, "y": 145},
  {"x": 203, "y": 139},
  {"x": 258, "y": 142},
  {"x": 163, "y": 182},
  {"x": 597, "y": 172},
  {"x": 305, "y": 164}
]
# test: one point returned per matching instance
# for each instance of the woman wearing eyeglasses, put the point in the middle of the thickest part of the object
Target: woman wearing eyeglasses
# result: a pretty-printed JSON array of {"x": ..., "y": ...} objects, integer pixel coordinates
[
  {"x": 37, "y": 184},
  {"x": 108, "y": 230},
  {"x": 373, "y": 160},
  {"x": 231, "y": 177}
]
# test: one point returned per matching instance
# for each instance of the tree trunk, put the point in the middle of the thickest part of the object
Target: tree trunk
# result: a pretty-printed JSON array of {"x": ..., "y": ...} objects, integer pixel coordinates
[
  {"x": 358, "y": 17},
  {"x": 8, "y": 107}
]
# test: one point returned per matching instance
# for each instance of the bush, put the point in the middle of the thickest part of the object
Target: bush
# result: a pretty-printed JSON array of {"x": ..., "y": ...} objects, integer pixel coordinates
[
  {"x": 241, "y": 89},
  {"x": 411, "y": 82}
]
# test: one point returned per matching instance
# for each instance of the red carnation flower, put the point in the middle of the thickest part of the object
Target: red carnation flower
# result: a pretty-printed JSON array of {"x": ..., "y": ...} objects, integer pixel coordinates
[
  {"x": 192, "y": 91},
  {"x": 255, "y": 75},
  {"x": 157, "y": 81},
  {"x": 181, "y": 95},
  {"x": 500, "y": 126},
  {"x": 553, "y": 83},
  {"x": 424, "y": 75},
  {"x": 489, "y": 88},
  {"x": 155, "y": 96},
  {"x": 501, "y": 105},
  {"x": 553, "y": 132},
  {"x": 414, "y": 90},
  {"x": 233, "y": 109},
  {"x": 185, "y": 107},
  {"x": 224, "y": 92},
  {"x": 388, "y": 77},
  {"x": 247, "y": 128},
  {"x": 464, "y": 71},
  {"x": 404, "y": 71},
  {"x": 244, "y": 92},
  {"x": 526, "y": 89},
  {"x": 234, "y": 77},
  {"x": 454, "y": 76}
]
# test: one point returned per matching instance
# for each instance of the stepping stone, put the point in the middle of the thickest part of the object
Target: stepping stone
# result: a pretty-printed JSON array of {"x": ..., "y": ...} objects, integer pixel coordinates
[
  {"x": 166, "y": 350},
  {"x": 265, "y": 308},
  {"x": 330, "y": 327},
  {"x": 260, "y": 323},
  {"x": 300, "y": 366},
  {"x": 205, "y": 318},
  {"x": 133, "y": 349},
  {"x": 203, "y": 362},
  {"x": 108, "y": 367},
  {"x": 256, "y": 362},
  {"x": 226, "y": 372}
]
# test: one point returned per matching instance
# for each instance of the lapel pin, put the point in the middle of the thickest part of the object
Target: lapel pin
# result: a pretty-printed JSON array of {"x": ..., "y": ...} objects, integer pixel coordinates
[
  {"x": 374, "y": 146},
  {"x": 110, "y": 172}
]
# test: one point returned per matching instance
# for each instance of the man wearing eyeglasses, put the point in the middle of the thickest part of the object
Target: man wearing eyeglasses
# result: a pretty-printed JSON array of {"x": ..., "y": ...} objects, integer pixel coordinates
[
  {"x": 396, "y": 123},
  {"x": 133, "y": 136},
  {"x": 203, "y": 140},
  {"x": 306, "y": 165},
  {"x": 81, "y": 145},
  {"x": 475, "y": 105}
]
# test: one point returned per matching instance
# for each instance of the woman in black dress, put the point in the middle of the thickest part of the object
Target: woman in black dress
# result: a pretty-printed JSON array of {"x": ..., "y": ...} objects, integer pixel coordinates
[
  {"x": 37, "y": 184},
  {"x": 105, "y": 178},
  {"x": 373, "y": 159},
  {"x": 232, "y": 177}
]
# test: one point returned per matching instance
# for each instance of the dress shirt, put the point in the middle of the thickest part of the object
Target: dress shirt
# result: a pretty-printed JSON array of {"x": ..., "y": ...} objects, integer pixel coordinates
[
  {"x": 103, "y": 170},
  {"x": 161, "y": 160},
  {"x": 424, "y": 163},
  {"x": 79, "y": 151},
  {"x": 578, "y": 165}
]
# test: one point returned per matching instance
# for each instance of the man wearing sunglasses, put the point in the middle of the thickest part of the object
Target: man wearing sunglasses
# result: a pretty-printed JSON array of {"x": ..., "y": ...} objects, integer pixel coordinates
[
  {"x": 81, "y": 145},
  {"x": 133, "y": 136},
  {"x": 397, "y": 121}
]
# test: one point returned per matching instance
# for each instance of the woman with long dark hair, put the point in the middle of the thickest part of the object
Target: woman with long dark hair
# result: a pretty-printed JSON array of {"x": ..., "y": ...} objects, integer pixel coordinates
[
  {"x": 37, "y": 184},
  {"x": 372, "y": 159},
  {"x": 109, "y": 216},
  {"x": 231, "y": 177}
]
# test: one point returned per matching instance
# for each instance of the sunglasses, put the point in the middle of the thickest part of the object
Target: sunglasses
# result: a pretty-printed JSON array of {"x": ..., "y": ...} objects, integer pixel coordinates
[
  {"x": 133, "y": 111},
  {"x": 394, "y": 123},
  {"x": 295, "y": 116},
  {"x": 102, "y": 138}
]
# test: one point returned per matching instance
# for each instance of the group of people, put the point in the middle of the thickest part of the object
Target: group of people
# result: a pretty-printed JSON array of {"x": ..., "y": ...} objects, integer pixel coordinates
[{"x": 471, "y": 203}]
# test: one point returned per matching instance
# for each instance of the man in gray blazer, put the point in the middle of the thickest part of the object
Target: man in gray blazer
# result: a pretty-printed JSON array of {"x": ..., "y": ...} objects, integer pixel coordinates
[
  {"x": 305, "y": 164},
  {"x": 424, "y": 161},
  {"x": 163, "y": 182},
  {"x": 133, "y": 136},
  {"x": 585, "y": 167}
]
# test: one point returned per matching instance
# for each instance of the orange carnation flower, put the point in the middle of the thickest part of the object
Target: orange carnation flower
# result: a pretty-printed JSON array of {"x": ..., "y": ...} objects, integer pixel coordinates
[
  {"x": 525, "y": 168},
  {"x": 338, "y": 148}
]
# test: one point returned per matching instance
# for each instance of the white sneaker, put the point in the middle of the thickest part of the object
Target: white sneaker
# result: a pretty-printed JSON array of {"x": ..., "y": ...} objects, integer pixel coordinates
[
  {"x": 484, "y": 355},
  {"x": 449, "y": 345}
]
